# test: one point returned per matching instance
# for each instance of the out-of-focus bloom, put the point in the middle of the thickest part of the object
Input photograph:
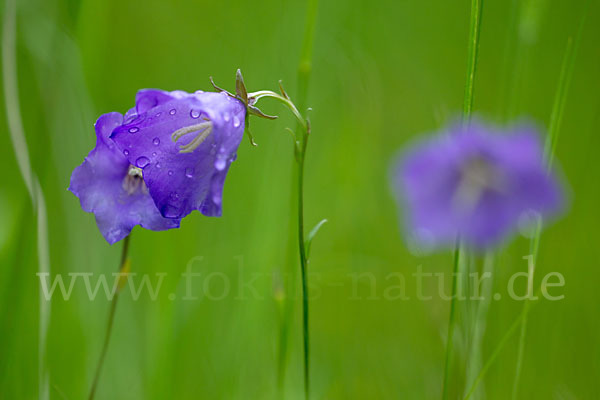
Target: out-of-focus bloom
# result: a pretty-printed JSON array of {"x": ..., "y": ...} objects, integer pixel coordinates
[
  {"x": 184, "y": 144},
  {"x": 474, "y": 183},
  {"x": 113, "y": 189}
]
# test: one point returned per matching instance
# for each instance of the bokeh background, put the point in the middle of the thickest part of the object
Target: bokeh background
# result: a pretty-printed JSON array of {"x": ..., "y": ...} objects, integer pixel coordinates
[{"x": 384, "y": 72}]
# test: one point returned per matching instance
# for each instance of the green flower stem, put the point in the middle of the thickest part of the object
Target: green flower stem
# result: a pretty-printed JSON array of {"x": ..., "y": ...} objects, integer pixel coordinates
[
  {"x": 285, "y": 100},
  {"x": 451, "y": 323},
  {"x": 111, "y": 318},
  {"x": 300, "y": 143},
  {"x": 474, "y": 362},
  {"x": 475, "y": 28},
  {"x": 303, "y": 266}
]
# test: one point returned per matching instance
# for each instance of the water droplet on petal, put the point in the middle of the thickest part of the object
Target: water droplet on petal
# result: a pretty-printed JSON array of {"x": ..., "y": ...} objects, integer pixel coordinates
[
  {"x": 154, "y": 154},
  {"x": 226, "y": 117},
  {"x": 173, "y": 111},
  {"x": 195, "y": 114},
  {"x": 125, "y": 153},
  {"x": 236, "y": 121},
  {"x": 158, "y": 165},
  {"x": 216, "y": 198},
  {"x": 170, "y": 173},
  {"x": 157, "y": 115},
  {"x": 220, "y": 163},
  {"x": 142, "y": 161},
  {"x": 134, "y": 129},
  {"x": 189, "y": 172},
  {"x": 156, "y": 141}
]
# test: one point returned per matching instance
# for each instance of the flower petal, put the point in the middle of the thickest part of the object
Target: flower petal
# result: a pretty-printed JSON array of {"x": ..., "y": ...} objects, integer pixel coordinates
[
  {"x": 98, "y": 183},
  {"x": 182, "y": 182}
]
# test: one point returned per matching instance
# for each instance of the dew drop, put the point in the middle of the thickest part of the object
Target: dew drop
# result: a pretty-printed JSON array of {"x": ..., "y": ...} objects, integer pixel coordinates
[
  {"x": 154, "y": 154},
  {"x": 195, "y": 114},
  {"x": 134, "y": 129},
  {"x": 157, "y": 115},
  {"x": 170, "y": 173},
  {"x": 158, "y": 165},
  {"x": 189, "y": 172},
  {"x": 220, "y": 163},
  {"x": 142, "y": 161},
  {"x": 173, "y": 111},
  {"x": 125, "y": 153},
  {"x": 156, "y": 141},
  {"x": 236, "y": 121},
  {"x": 226, "y": 117}
]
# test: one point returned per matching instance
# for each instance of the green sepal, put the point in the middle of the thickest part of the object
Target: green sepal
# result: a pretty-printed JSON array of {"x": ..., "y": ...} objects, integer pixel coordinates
[
  {"x": 255, "y": 111},
  {"x": 240, "y": 87}
]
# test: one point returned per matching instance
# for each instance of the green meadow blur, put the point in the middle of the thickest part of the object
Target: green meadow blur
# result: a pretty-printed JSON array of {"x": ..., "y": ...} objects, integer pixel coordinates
[{"x": 383, "y": 73}]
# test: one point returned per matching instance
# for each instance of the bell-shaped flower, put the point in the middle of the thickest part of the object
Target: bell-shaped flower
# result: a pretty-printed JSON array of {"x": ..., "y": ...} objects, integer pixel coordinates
[
  {"x": 475, "y": 183},
  {"x": 184, "y": 144}
]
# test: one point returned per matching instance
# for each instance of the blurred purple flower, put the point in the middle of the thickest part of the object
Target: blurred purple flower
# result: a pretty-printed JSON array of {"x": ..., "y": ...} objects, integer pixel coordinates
[
  {"x": 474, "y": 183},
  {"x": 111, "y": 188},
  {"x": 184, "y": 144}
]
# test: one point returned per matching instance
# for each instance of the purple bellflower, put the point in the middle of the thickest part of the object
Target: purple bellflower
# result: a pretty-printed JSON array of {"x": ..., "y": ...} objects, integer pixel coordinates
[
  {"x": 169, "y": 155},
  {"x": 113, "y": 189},
  {"x": 474, "y": 183},
  {"x": 184, "y": 144}
]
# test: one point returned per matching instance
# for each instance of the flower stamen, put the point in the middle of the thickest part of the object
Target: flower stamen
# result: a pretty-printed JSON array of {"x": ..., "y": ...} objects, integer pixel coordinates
[
  {"x": 204, "y": 128},
  {"x": 134, "y": 180}
]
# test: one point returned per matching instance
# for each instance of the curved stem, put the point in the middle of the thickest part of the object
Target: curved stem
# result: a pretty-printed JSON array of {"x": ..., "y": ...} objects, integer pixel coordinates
[
  {"x": 111, "y": 318},
  {"x": 268, "y": 93}
]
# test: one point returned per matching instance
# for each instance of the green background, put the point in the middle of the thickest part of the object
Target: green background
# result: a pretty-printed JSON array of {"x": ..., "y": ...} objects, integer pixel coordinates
[{"x": 384, "y": 72}]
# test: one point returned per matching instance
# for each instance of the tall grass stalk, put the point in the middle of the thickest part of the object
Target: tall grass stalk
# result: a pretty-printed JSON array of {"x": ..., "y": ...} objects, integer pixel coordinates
[
  {"x": 564, "y": 81},
  {"x": 474, "y": 360},
  {"x": 490, "y": 361},
  {"x": 451, "y": 322},
  {"x": 17, "y": 136},
  {"x": 473, "y": 50}
]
